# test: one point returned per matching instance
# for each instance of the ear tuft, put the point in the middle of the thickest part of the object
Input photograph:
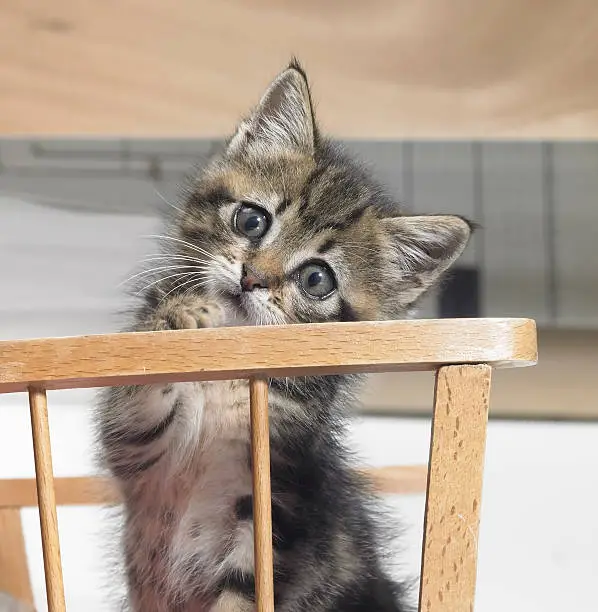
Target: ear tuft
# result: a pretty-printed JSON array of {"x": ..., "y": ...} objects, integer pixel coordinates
[
  {"x": 427, "y": 245},
  {"x": 283, "y": 119}
]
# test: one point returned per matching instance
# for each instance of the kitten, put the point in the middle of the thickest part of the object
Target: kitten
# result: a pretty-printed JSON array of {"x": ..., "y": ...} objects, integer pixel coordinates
[{"x": 280, "y": 227}]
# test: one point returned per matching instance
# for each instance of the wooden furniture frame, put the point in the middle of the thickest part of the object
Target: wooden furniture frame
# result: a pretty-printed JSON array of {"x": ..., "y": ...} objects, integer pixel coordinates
[
  {"x": 19, "y": 493},
  {"x": 461, "y": 351}
]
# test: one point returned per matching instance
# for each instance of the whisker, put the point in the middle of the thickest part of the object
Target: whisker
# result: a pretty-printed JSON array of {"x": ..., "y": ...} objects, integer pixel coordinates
[
  {"x": 161, "y": 196},
  {"x": 194, "y": 266},
  {"x": 198, "y": 285},
  {"x": 187, "y": 244},
  {"x": 161, "y": 279},
  {"x": 153, "y": 270},
  {"x": 173, "y": 258},
  {"x": 179, "y": 286}
]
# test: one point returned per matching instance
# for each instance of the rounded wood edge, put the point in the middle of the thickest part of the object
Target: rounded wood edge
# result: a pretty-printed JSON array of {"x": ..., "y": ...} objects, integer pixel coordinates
[
  {"x": 244, "y": 352},
  {"x": 525, "y": 342}
]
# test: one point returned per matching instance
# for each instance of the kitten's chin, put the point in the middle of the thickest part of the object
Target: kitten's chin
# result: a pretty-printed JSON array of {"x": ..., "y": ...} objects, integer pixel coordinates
[
  {"x": 256, "y": 310},
  {"x": 248, "y": 308}
]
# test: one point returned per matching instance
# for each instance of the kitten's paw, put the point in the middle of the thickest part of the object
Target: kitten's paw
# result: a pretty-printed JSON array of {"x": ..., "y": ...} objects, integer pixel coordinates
[{"x": 188, "y": 313}]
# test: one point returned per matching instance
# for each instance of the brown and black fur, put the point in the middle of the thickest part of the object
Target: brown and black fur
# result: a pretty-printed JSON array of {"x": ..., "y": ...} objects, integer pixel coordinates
[{"x": 180, "y": 453}]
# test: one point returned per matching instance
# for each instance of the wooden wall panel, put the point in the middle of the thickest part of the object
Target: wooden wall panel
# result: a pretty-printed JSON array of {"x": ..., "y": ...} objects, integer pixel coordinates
[{"x": 380, "y": 69}]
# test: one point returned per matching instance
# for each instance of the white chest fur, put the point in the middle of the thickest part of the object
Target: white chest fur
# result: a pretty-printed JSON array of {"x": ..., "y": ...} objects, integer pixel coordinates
[{"x": 197, "y": 486}]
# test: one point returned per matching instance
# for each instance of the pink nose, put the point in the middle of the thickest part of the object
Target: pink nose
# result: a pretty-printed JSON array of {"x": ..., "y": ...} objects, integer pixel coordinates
[{"x": 251, "y": 279}]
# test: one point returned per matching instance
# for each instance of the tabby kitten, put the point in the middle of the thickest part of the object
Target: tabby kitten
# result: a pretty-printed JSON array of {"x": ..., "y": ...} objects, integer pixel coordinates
[{"x": 280, "y": 227}]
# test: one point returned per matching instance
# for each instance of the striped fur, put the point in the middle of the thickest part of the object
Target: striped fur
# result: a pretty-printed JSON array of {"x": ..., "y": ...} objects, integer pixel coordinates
[{"x": 180, "y": 452}]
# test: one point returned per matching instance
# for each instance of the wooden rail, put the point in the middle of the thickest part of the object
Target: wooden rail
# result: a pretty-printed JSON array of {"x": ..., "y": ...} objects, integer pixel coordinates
[
  {"x": 286, "y": 350},
  {"x": 17, "y": 493},
  {"x": 100, "y": 491},
  {"x": 463, "y": 351}
]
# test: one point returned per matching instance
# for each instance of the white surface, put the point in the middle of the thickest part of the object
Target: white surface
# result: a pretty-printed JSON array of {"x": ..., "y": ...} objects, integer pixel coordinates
[
  {"x": 538, "y": 549},
  {"x": 59, "y": 275}
]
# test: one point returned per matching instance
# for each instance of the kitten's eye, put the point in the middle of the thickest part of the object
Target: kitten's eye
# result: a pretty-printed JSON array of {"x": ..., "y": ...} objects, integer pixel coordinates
[
  {"x": 317, "y": 280},
  {"x": 251, "y": 221}
]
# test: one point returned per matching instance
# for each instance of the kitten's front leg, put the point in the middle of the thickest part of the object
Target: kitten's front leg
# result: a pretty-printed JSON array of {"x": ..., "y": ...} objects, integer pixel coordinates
[
  {"x": 137, "y": 423},
  {"x": 182, "y": 312}
]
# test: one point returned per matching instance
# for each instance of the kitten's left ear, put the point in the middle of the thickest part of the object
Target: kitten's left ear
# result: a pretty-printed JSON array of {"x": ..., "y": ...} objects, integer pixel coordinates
[
  {"x": 425, "y": 246},
  {"x": 283, "y": 119}
]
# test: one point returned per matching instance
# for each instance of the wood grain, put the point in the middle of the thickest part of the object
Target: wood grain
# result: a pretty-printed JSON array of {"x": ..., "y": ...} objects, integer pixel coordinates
[
  {"x": 381, "y": 69},
  {"x": 99, "y": 491},
  {"x": 44, "y": 477},
  {"x": 294, "y": 350},
  {"x": 69, "y": 491},
  {"x": 457, "y": 448},
  {"x": 14, "y": 571},
  {"x": 399, "y": 480},
  {"x": 262, "y": 496}
]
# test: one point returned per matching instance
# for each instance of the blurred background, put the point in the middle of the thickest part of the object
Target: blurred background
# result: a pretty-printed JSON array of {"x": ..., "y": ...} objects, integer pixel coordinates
[{"x": 490, "y": 112}]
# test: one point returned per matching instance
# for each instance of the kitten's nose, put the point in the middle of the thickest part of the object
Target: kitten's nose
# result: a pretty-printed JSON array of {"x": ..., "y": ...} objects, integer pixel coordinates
[{"x": 252, "y": 279}]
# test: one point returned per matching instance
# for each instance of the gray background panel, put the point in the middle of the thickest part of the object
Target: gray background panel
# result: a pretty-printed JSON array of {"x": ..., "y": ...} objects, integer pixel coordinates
[
  {"x": 576, "y": 233},
  {"x": 514, "y": 233},
  {"x": 538, "y": 203},
  {"x": 443, "y": 182}
]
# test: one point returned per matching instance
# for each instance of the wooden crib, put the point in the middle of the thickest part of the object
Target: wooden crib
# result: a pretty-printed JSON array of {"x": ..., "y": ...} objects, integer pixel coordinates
[{"x": 462, "y": 352}]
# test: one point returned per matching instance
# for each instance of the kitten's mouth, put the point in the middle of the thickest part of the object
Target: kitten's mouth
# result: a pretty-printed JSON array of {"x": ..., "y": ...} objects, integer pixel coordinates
[
  {"x": 247, "y": 306},
  {"x": 253, "y": 307}
]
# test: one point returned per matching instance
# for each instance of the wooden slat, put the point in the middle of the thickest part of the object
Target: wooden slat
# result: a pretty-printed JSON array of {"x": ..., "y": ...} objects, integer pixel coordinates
[
  {"x": 44, "y": 478},
  {"x": 99, "y": 491},
  {"x": 399, "y": 480},
  {"x": 293, "y": 350},
  {"x": 14, "y": 572},
  {"x": 457, "y": 448},
  {"x": 262, "y": 505},
  {"x": 71, "y": 491}
]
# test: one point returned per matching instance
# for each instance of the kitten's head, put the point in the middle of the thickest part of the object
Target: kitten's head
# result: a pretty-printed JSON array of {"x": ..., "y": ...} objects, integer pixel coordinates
[{"x": 289, "y": 229}]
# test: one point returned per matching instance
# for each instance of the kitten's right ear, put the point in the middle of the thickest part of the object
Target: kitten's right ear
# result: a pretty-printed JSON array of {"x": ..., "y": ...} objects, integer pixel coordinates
[
  {"x": 424, "y": 247},
  {"x": 283, "y": 119}
]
